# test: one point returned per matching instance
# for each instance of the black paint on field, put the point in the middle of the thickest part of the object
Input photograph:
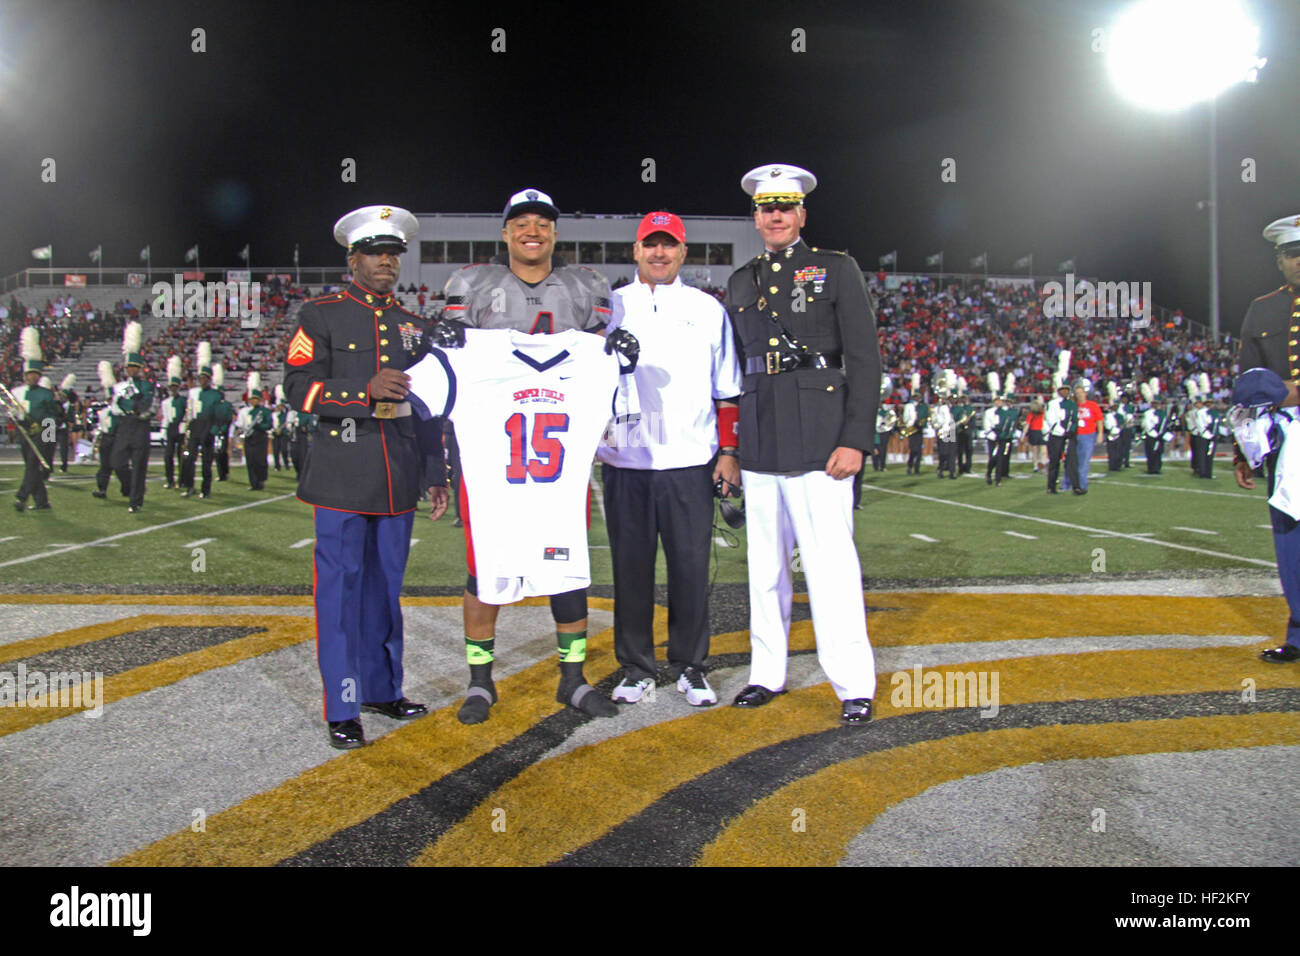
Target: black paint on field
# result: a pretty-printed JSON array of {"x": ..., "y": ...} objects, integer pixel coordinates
[{"x": 675, "y": 829}]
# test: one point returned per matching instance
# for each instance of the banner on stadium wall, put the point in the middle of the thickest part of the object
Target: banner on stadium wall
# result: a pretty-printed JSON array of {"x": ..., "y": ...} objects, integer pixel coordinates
[
  {"x": 135, "y": 280},
  {"x": 239, "y": 275},
  {"x": 1012, "y": 282},
  {"x": 193, "y": 275},
  {"x": 282, "y": 276},
  {"x": 71, "y": 281}
]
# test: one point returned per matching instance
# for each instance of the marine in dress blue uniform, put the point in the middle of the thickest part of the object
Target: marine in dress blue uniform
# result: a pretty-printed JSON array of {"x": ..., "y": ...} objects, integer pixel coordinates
[
  {"x": 345, "y": 365},
  {"x": 1270, "y": 338}
]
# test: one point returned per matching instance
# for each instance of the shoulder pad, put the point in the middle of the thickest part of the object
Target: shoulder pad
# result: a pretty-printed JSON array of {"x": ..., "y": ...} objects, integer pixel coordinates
[
  {"x": 589, "y": 276},
  {"x": 473, "y": 276}
]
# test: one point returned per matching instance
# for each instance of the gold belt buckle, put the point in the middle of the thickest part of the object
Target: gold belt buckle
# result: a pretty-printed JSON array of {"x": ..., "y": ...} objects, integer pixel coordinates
[
  {"x": 773, "y": 362},
  {"x": 385, "y": 409}
]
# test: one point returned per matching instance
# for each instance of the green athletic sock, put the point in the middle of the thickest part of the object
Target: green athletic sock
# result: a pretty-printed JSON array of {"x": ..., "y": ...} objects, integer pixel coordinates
[
  {"x": 479, "y": 652},
  {"x": 572, "y": 647}
]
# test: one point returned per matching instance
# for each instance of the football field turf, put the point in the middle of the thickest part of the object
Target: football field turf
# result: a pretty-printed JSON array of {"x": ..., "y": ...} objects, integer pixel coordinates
[
  {"x": 909, "y": 530},
  {"x": 1063, "y": 680}
]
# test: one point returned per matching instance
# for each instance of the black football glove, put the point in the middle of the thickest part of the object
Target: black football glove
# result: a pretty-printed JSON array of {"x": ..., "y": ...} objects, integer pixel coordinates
[
  {"x": 448, "y": 334},
  {"x": 625, "y": 343}
]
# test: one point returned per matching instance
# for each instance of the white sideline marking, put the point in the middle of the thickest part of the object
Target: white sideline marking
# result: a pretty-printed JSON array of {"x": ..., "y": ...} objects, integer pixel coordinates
[
  {"x": 1267, "y": 527},
  {"x": 195, "y": 544},
  {"x": 1190, "y": 491},
  {"x": 303, "y": 543},
  {"x": 1067, "y": 524},
  {"x": 721, "y": 542},
  {"x": 1017, "y": 534},
  {"x": 128, "y": 534},
  {"x": 415, "y": 541},
  {"x": 15, "y": 537},
  {"x": 597, "y": 494},
  {"x": 1179, "y": 527},
  {"x": 926, "y": 538}
]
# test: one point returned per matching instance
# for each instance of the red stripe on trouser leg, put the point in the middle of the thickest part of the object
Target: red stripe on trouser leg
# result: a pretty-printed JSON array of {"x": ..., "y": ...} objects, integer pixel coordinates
[{"x": 469, "y": 538}]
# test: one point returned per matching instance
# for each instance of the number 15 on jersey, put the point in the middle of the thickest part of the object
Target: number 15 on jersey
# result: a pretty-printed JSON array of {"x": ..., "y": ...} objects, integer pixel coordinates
[{"x": 548, "y": 451}]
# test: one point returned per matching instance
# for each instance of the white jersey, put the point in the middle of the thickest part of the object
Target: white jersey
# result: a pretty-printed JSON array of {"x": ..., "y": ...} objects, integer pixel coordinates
[{"x": 529, "y": 411}]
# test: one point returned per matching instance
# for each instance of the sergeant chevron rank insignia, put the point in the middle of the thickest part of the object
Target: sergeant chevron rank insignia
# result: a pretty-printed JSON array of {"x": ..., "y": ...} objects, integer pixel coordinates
[{"x": 300, "y": 348}]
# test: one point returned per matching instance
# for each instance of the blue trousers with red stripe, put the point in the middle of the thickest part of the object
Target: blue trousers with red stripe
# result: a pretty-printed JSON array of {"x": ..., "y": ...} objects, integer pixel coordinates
[
  {"x": 1286, "y": 545},
  {"x": 360, "y": 560}
]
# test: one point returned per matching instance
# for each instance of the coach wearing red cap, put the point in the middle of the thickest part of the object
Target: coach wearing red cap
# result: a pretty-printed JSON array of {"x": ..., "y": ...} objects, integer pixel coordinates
[{"x": 659, "y": 480}]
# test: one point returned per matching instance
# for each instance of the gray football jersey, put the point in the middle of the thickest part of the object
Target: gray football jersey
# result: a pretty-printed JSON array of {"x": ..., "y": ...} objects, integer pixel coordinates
[{"x": 490, "y": 296}]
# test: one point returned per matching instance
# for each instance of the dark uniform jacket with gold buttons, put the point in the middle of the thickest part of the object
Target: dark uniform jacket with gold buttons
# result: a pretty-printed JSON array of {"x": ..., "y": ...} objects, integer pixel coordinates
[
  {"x": 1270, "y": 332},
  {"x": 791, "y": 421},
  {"x": 365, "y": 455}
]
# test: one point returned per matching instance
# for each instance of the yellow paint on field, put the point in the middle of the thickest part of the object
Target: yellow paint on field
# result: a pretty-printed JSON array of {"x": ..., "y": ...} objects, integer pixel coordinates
[
  {"x": 841, "y": 800},
  {"x": 276, "y": 632},
  {"x": 561, "y": 804},
  {"x": 356, "y": 785},
  {"x": 567, "y": 801},
  {"x": 942, "y": 618}
]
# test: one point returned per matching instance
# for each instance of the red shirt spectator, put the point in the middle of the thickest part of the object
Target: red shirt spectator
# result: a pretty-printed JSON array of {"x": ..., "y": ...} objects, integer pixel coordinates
[{"x": 1089, "y": 417}]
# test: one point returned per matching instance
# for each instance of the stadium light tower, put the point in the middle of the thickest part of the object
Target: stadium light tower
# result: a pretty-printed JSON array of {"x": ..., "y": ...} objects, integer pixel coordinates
[{"x": 1170, "y": 54}]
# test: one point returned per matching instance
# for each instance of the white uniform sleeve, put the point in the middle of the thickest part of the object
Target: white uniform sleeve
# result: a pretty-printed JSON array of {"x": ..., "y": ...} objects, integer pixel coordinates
[
  {"x": 726, "y": 367},
  {"x": 433, "y": 385}
]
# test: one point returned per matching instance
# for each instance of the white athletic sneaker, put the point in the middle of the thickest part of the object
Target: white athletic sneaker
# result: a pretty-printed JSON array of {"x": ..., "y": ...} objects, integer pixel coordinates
[
  {"x": 630, "y": 691},
  {"x": 693, "y": 684}
]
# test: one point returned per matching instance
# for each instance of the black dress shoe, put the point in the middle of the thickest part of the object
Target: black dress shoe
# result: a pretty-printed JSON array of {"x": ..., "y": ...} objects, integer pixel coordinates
[
  {"x": 99, "y": 494},
  {"x": 857, "y": 711},
  {"x": 132, "y": 509},
  {"x": 755, "y": 695},
  {"x": 19, "y": 506},
  {"x": 1281, "y": 655},
  {"x": 346, "y": 734},
  {"x": 400, "y": 709},
  {"x": 1078, "y": 491},
  {"x": 44, "y": 507}
]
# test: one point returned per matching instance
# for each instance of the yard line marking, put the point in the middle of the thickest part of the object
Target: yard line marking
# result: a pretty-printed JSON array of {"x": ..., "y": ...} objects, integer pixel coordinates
[
  {"x": 926, "y": 538},
  {"x": 12, "y": 537},
  {"x": 415, "y": 541},
  {"x": 1179, "y": 527},
  {"x": 597, "y": 494},
  {"x": 1267, "y": 526},
  {"x": 303, "y": 543},
  {"x": 721, "y": 542},
  {"x": 195, "y": 544},
  {"x": 128, "y": 534},
  {"x": 1190, "y": 491},
  {"x": 1017, "y": 534},
  {"x": 1072, "y": 527}
]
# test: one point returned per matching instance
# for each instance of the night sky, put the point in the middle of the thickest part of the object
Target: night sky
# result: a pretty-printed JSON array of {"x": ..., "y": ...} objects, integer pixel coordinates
[{"x": 156, "y": 144}]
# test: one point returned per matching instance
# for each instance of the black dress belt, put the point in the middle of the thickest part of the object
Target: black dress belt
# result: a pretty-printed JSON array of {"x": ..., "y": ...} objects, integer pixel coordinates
[{"x": 774, "y": 363}]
